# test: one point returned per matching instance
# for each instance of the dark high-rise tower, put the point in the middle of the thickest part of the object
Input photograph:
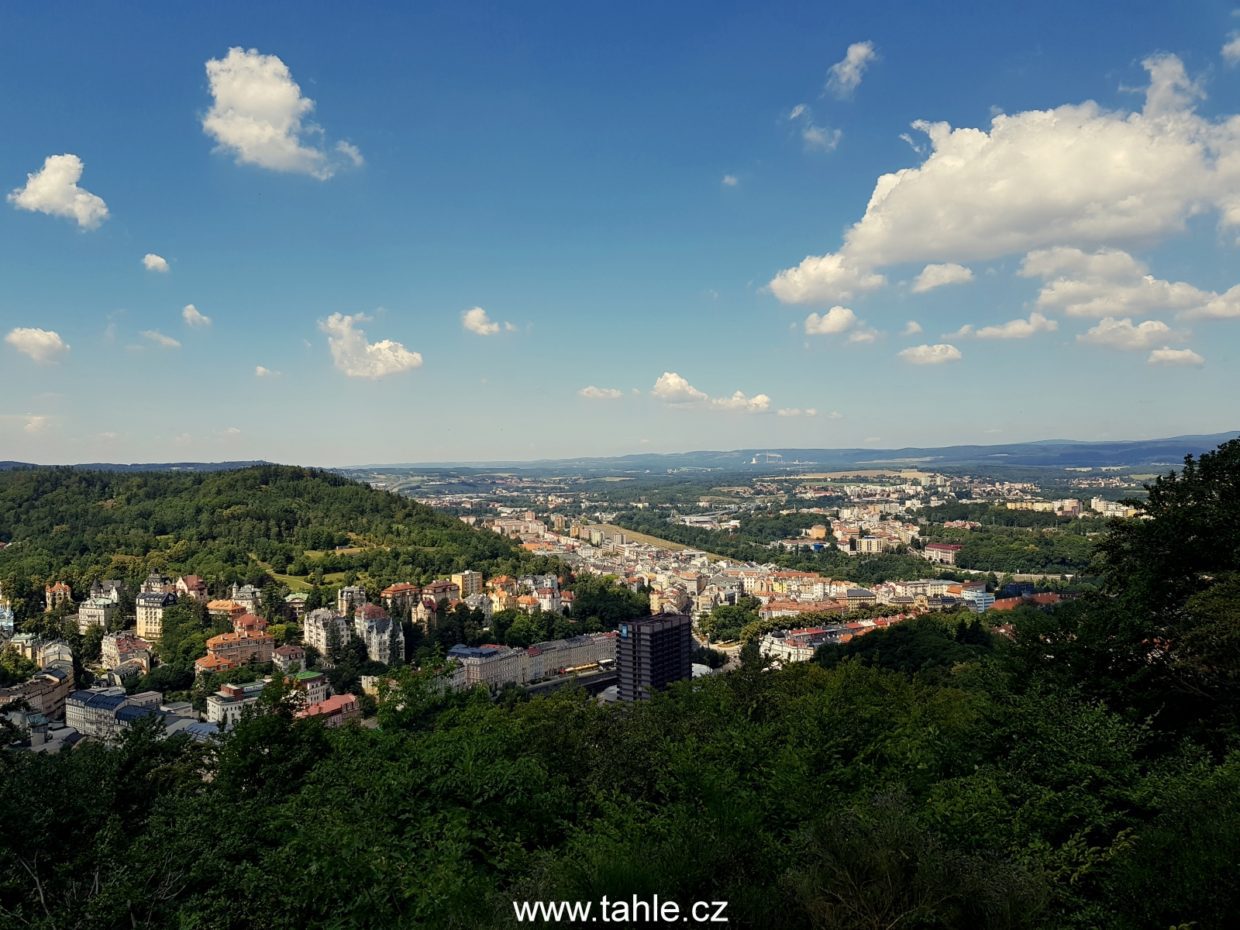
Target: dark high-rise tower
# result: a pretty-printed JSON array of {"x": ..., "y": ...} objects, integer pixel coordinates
[{"x": 651, "y": 653}]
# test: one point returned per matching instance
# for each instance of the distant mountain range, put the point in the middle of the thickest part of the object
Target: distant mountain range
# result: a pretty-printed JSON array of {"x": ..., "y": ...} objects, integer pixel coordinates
[{"x": 1049, "y": 453}]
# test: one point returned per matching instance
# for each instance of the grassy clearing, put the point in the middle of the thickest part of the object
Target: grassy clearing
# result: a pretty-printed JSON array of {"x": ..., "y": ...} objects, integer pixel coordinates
[{"x": 650, "y": 540}]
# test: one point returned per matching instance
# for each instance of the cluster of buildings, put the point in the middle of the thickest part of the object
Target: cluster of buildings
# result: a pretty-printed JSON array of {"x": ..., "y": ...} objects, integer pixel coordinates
[
  {"x": 354, "y": 618},
  {"x": 226, "y": 706},
  {"x": 247, "y": 644},
  {"x": 496, "y": 666},
  {"x": 799, "y": 645}
]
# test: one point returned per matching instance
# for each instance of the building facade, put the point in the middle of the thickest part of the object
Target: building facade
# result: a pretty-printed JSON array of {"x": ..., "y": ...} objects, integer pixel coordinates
[{"x": 652, "y": 653}]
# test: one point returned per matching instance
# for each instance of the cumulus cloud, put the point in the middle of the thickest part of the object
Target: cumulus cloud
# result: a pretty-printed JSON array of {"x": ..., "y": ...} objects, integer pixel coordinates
[
  {"x": 477, "y": 321},
  {"x": 933, "y": 276},
  {"x": 356, "y": 357},
  {"x": 730, "y": 180},
  {"x": 262, "y": 372},
  {"x": 740, "y": 401},
  {"x": 258, "y": 114},
  {"x": 911, "y": 328},
  {"x": 1077, "y": 175},
  {"x": 1018, "y": 329},
  {"x": 1231, "y": 50},
  {"x": 864, "y": 334},
  {"x": 823, "y": 278},
  {"x": 42, "y": 345},
  {"x": 845, "y": 75},
  {"x": 1108, "y": 282},
  {"x": 1219, "y": 306},
  {"x": 672, "y": 388},
  {"x": 930, "y": 354},
  {"x": 192, "y": 317},
  {"x": 36, "y": 423},
  {"x": 159, "y": 339},
  {"x": 836, "y": 320},
  {"x": 53, "y": 190},
  {"x": 153, "y": 262},
  {"x": 797, "y": 412},
  {"x": 1124, "y": 334},
  {"x": 597, "y": 393},
  {"x": 1169, "y": 356}
]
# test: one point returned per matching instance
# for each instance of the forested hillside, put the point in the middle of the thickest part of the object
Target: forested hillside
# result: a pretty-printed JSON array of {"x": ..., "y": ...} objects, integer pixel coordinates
[
  {"x": 1078, "y": 769},
  {"x": 245, "y": 525}
]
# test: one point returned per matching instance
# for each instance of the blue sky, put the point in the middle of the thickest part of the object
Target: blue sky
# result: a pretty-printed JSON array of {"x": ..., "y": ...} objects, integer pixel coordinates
[{"x": 660, "y": 210}]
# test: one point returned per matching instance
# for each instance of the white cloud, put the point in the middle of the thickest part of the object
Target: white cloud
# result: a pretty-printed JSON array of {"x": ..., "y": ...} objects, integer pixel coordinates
[
  {"x": 1077, "y": 175},
  {"x": 816, "y": 138},
  {"x": 672, "y": 388},
  {"x": 36, "y": 423},
  {"x": 911, "y": 328},
  {"x": 192, "y": 317},
  {"x": 1108, "y": 282},
  {"x": 820, "y": 138},
  {"x": 836, "y": 320},
  {"x": 797, "y": 412},
  {"x": 1019, "y": 329},
  {"x": 845, "y": 75},
  {"x": 42, "y": 345},
  {"x": 358, "y": 358},
  {"x": 153, "y": 262},
  {"x": 597, "y": 393},
  {"x": 933, "y": 276},
  {"x": 164, "y": 342},
  {"x": 1220, "y": 306},
  {"x": 740, "y": 401},
  {"x": 257, "y": 114},
  {"x": 53, "y": 190},
  {"x": 351, "y": 152},
  {"x": 1231, "y": 50},
  {"x": 262, "y": 372},
  {"x": 730, "y": 180},
  {"x": 1124, "y": 334},
  {"x": 1169, "y": 356},
  {"x": 823, "y": 278},
  {"x": 864, "y": 334},
  {"x": 930, "y": 355},
  {"x": 477, "y": 321}
]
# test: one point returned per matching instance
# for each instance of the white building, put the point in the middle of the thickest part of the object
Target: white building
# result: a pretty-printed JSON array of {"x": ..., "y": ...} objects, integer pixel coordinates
[
  {"x": 149, "y": 607},
  {"x": 225, "y": 706},
  {"x": 384, "y": 639},
  {"x": 95, "y": 611},
  {"x": 349, "y": 598},
  {"x": 316, "y": 629}
]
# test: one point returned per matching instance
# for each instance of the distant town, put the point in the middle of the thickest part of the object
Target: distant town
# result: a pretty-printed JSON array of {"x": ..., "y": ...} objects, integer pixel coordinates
[{"x": 713, "y": 604}]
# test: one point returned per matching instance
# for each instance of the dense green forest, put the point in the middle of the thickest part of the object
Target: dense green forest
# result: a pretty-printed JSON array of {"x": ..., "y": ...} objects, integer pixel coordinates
[
  {"x": 1078, "y": 769},
  {"x": 250, "y": 525}
]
